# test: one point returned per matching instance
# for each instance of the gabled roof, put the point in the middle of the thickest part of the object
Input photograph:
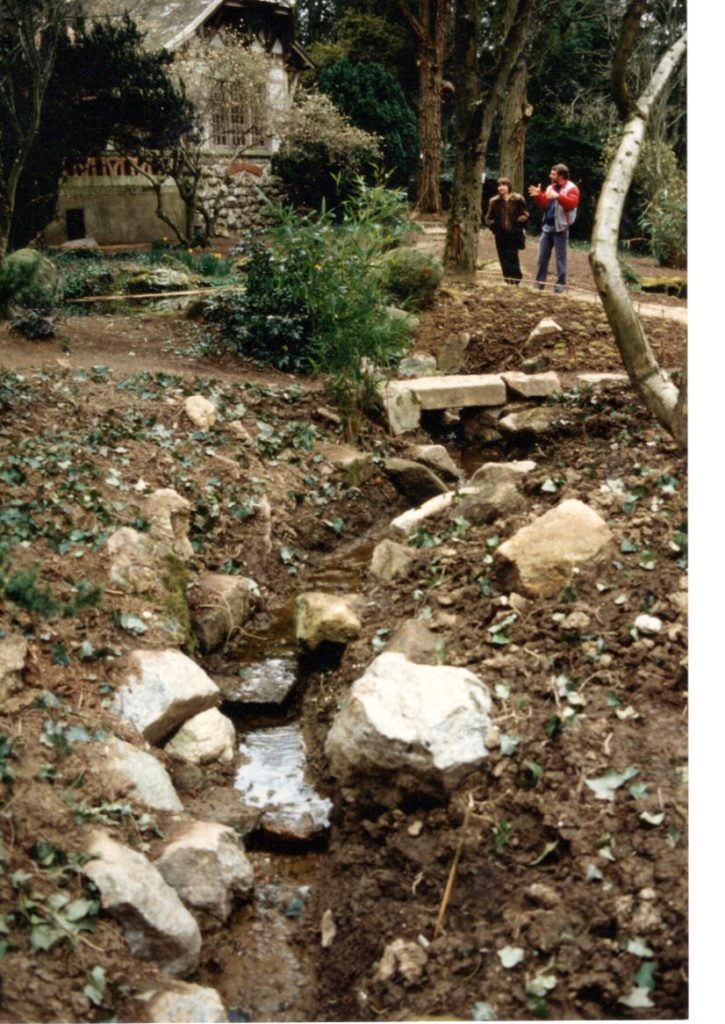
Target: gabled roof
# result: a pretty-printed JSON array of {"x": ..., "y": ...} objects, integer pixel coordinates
[{"x": 167, "y": 23}]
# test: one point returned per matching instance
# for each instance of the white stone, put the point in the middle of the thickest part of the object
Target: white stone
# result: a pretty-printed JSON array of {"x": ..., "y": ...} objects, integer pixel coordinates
[
  {"x": 602, "y": 378},
  {"x": 648, "y": 624},
  {"x": 532, "y": 385},
  {"x": 321, "y": 617},
  {"x": 401, "y": 407},
  {"x": 459, "y": 391},
  {"x": 186, "y": 1004},
  {"x": 493, "y": 472},
  {"x": 390, "y": 560},
  {"x": 402, "y": 957},
  {"x": 204, "y": 739},
  {"x": 141, "y": 774},
  {"x": 200, "y": 411},
  {"x": 168, "y": 515},
  {"x": 545, "y": 328},
  {"x": 406, "y": 522},
  {"x": 207, "y": 866},
  {"x": 162, "y": 690},
  {"x": 437, "y": 458},
  {"x": 540, "y": 558},
  {"x": 409, "y": 728},
  {"x": 156, "y": 924}
]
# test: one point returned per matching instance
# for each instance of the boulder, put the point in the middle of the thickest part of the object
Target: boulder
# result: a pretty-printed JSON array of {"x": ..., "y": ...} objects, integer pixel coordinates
[
  {"x": 200, "y": 411},
  {"x": 546, "y": 328},
  {"x": 411, "y": 276},
  {"x": 540, "y": 558},
  {"x": 406, "y": 522},
  {"x": 402, "y": 408},
  {"x": 489, "y": 501},
  {"x": 413, "y": 479},
  {"x": 156, "y": 924},
  {"x": 531, "y": 385},
  {"x": 539, "y": 420},
  {"x": 219, "y": 606},
  {"x": 265, "y": 682},
  {"x": 207, "y": 867},
  {"x": 139, "y": 775},
  {"x": 162, "y": 690},
  {"x": 28, "y": 280},
  {"x": 409, "y": 729},
  {"x": 134, "y": 567},
  {"x": 436, "y": 457},
  {"x": 321, "y": 617},
  {"x": 416, "y": 642},
  {"x": 159, "y": 279},
  {"x": 186, "y": 1004},
  {"x": 452, "y": 356},
  {"x": 13, "y": 652},
  {"x": 536, "y": 363},
  {"x": 496, "y": 472},
  {"x": 207, "y": 737},
  {"x": 391, "y": 560}
]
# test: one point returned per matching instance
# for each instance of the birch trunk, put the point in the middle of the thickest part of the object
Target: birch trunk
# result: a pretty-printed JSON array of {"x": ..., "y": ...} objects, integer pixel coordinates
[{"x": 654, "y": 386}]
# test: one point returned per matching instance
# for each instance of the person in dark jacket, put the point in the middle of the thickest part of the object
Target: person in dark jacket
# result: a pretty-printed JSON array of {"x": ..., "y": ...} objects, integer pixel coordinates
[{"x": 506, "y": 216}]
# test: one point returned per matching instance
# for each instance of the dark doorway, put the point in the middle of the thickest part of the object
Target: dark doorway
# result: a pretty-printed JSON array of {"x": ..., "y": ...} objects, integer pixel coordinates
[{"x": 75, "y": 223}]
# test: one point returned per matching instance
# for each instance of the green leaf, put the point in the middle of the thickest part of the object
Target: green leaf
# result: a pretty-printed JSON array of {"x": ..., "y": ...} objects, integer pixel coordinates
[
  {"x": 639, "y": 791},
  {"x": 650, "y": 818},
  {"x": 644, "y": 978},
  {"x": 44, "y": 936},
  {"x": 541, "y": 984},
  {"x": 60, "y": 655},
  {"x": 548, "y": 848},
  {"x": 96, "y": 985},
  {"x": 508, "y": 744},
  {"x": 534, "y": 769},
  {"x": 483, "y": 1011},
  {"x": 604, "y": 786},
  {"x": 627, "y": 547},
  {"x": 510, "y": 956}
]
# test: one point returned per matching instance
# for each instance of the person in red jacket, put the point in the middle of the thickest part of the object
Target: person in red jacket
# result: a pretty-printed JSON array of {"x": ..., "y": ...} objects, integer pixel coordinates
[{"x": 559, "y": 203}]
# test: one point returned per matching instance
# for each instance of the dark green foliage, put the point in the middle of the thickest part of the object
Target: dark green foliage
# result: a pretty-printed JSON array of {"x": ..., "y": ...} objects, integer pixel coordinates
[
  {"x": 22, "y": 589},
  {"x": 316, "y": 177},
  {"x": 35, "y": 325},
  {"x": 28, "y": 280},
  {"x": 373, "y": 100},
  {"x": 104, "y": 88},
  {"x": 411, "y": 277}
]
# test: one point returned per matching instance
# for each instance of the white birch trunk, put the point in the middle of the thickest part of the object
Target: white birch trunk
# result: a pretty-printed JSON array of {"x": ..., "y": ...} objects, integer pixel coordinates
[{"x": 656, "y": 389}]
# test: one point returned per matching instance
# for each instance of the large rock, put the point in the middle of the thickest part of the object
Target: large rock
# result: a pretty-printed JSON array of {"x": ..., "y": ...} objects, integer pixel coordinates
[
  {"x": 162, "y": 690},
  {"x": 28, "y": 280},
  {"x": 186, "y": 1004},
  {"x": 540, "y": 558},
  {"x": 452, "y": 356},
  {"x": 207, "y": 866},
  {"x": 413, "y": 479},
  {"x": 436, "y": 458},
  {"x": 265, "y": 682},
  {"x": 546, "y": 328},
  {"x": 219, "y": 606},
  {"x": 168, "y": 515},
  {"x": 156, "y": 924},
  {"x": 489, "y": 501},
  {"x": 391, "y": 560},
  {"x": 539, "y": 420},
  {"x": 134, "y": 568},
  {"x": 139, "y": 775},
  {"x": 495, "y": 472},
  {"x": 409, "y": 729},
  {"x": 159, "y": 280},
  {"x": 204, "y": 739},
  {"x": 13, "y": 652},
  {"x": 200, "y": 411},
  {"x": 531, "y": 385},
  {"x": 321, "y": 617},
  {"x": 419, "y": 365}
]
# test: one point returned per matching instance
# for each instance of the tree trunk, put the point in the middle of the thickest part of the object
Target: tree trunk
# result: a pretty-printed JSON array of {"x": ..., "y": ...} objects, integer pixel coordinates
[
  {"x": 428, "y": 199},
  {"x": 653, "y": 385},
  {"x": 464, "y": 219},
  {"x": 515, "y": 116}
]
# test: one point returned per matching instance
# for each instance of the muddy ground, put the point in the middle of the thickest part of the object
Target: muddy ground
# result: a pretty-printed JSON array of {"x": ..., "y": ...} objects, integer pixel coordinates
[{"x": 587, "y": 896}]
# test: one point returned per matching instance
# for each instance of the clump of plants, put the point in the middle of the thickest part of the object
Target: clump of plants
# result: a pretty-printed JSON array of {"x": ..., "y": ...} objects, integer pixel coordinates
[
  {"x": 313, "y": 301},
  {"x": 411, "y": 276},
  {"x": 35, "y": 325}
]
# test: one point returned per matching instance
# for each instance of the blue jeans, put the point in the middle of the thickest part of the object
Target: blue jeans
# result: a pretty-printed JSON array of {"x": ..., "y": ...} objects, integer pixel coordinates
[{"x": 549, "y": 240}]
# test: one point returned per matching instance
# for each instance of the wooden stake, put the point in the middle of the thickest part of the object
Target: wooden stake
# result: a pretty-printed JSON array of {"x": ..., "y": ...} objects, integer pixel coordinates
[{"x": 454, "y": 868}]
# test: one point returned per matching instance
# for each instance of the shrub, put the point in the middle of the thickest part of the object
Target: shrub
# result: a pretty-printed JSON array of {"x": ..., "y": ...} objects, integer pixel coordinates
[
  {"x": 373, "y": 100},
  {"x": 28, "y": 280},
  {"x": 35, "y": 325},
  {"x": 322, "y": 155},
  {"x": 313, "y": 302},
  {"x": 411, "y": 277},
  {"x": 84, "y": 277}
]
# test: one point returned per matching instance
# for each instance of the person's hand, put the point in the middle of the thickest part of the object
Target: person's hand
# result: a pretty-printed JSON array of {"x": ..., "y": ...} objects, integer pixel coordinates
[
  {"x": 551, "y": 192},
  {"x": 535, "y": 190}
]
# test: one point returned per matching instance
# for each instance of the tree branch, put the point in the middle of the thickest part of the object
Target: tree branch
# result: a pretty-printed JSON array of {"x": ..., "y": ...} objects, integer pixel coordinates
[{"x": 627, "y": 38}]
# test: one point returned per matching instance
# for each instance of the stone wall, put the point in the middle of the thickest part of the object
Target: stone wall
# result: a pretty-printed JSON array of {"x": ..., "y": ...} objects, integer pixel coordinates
[{"x": 240, "y": 207}]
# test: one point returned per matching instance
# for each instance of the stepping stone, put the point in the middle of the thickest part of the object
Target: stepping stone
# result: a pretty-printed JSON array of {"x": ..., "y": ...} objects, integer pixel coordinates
[
  {"x": 404, "y": 402},
  {"x": 266, "y": 682},
  {"x": 532, "y": 385}
]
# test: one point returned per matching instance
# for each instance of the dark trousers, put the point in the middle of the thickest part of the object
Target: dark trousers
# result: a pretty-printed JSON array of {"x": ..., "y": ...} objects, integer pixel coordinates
[
  {"x": 508, "y": 255},
  {"x": 558, "y": 241}
]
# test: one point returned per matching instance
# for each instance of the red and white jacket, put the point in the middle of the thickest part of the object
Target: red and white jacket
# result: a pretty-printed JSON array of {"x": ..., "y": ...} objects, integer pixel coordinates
[{"x": 567, "y": 202}]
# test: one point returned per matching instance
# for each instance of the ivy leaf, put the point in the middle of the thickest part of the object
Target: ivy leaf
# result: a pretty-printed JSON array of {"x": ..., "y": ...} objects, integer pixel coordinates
[
  {"x": 44, "y": 936},
  {"x": 483, "y": 1011},
  {"x": 510, "y": 956},
  {"x": 644, "y": 978},
  {"x": 637, "y": 999},
  {"x": 604, "y": 787},
  {"x": 96, "y": 985}
]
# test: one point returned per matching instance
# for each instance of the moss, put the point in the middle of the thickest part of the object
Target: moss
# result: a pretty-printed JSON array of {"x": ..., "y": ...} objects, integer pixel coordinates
[{"x": 176, "y": 605}]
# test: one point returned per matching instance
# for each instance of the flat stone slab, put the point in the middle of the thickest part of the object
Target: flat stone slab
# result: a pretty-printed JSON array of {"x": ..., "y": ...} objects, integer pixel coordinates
[
  {"x": 602, "y": 378},
  {"x": 404, "y": 401},
  {"x": 532, "y": 385},
  {"x": 266, "y": 682},
  {"x": 272, "y": 780}
]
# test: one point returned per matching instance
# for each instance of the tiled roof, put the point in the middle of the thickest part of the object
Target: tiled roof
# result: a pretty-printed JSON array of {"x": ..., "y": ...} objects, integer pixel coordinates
[{"x": 166, "y": 22}]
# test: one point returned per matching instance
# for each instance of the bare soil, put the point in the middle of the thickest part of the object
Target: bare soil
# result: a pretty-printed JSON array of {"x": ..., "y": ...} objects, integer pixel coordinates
[{"x": 592, "y": 891}]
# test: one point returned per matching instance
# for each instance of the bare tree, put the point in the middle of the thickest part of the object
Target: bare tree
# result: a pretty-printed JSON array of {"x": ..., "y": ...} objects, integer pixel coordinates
[
  {"x": 30, "y": 31},
  {"x": 430, "y": 22},
  {"x": 654, "y": 386},
  {"x": 481, "y": 86}
]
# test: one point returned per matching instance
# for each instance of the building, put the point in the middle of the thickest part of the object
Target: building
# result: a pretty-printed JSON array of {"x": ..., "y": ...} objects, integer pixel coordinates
[{"x": 109, "y": 198}]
